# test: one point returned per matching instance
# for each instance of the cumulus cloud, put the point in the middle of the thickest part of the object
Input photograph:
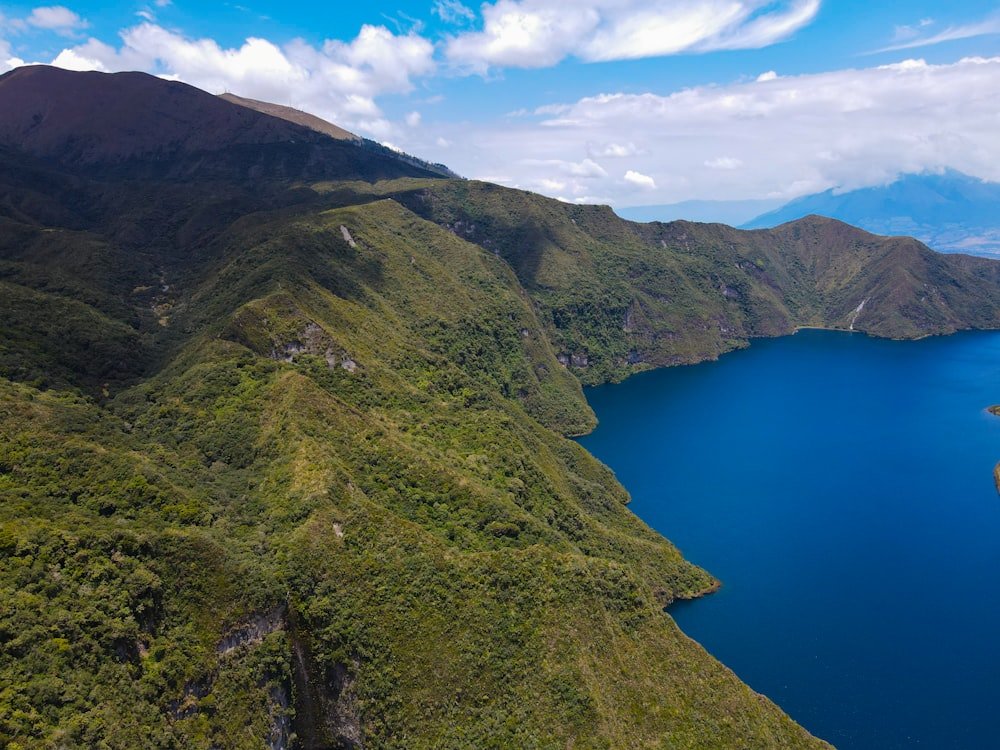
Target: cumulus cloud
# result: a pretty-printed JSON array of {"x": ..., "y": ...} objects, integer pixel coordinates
[
  {"x": 784, "y": 136},
  {"x": 539, "y": 33},
  {"x": 338, "y": 81},
  {"x": 91, "y": 56},
  {"x": 640, "y": 180}
]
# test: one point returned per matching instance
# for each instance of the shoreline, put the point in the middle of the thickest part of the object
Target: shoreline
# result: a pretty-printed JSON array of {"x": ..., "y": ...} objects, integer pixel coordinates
[
  {"x": 995, "y": 411},
  {"x": 711, "y": 589}
]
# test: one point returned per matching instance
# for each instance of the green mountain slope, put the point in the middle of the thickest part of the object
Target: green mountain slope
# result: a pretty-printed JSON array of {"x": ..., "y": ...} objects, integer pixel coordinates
[
  {"x": 326, "y": 506},
  {"x": 618, "y": 296},
  {"x": 283, "y": 461}
]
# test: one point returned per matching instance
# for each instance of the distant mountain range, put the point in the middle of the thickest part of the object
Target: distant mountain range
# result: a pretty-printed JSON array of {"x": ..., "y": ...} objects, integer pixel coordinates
[
  {"x": 950, "y": 212},
  {"x": 732, "y": 213}
]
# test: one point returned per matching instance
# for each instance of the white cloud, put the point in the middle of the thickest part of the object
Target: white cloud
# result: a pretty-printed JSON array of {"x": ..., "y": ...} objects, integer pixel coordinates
[
  {"x": 788, "y": 135},
  {"x": 587, "y": 169},
  {"x": 906, "y": 33},
  {"x": 7, "y": 59},
  {"x": 56, "y": 18},
  {"x": 612, "y": 150},
  {"x": 552, "y": 186},
  {"x": 339, "y": 81},
  {"x": 528, "y": 34},
  {"x": 908, "y": 37},
  {"x": 88, "y": 56},
  {"x": 876, "y": 123},
  {"x": 17, "y": 25},
  {"x": 413, "y": 119},
  {"x": 539, "y": 33},
  {"x": 640, "y": 180},
  {"x": 453, "y": 12},
  {"x": 551, "y": 109}
]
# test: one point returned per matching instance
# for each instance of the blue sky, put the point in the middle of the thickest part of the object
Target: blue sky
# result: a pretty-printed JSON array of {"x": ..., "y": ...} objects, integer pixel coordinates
[{"x": 609, "y": 101}]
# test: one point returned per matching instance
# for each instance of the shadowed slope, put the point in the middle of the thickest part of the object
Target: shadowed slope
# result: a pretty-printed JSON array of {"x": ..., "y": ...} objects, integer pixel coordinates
[{"x": 131, "y": 125}]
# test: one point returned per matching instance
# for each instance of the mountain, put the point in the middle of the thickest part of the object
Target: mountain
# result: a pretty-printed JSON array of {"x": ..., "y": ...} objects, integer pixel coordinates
[
  {"x": 733, "y": 213},
  {"x": 949, "y": 211},
  {"x": 292, "y": 115},
  {"x": 619, "y": 297},
  {"x": 132, "y": 125},
  {"x": 284, "y": 456}
]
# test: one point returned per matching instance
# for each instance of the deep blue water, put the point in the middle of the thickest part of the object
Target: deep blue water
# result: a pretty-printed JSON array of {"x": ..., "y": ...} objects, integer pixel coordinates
[{"x": 841, "y": 487}]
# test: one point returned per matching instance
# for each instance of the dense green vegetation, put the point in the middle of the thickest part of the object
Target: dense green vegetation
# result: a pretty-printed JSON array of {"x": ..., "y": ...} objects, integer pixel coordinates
[
  {"x": 284, "y": 463},
  {"x": 623, "y": 296},
  {"x": 322, "y": 499}
]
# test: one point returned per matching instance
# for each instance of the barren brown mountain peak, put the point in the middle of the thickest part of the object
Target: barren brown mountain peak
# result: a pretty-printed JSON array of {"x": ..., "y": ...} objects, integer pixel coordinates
[
  {"x": 141, "y": 125},
  {"x": 292, "y": 115}
]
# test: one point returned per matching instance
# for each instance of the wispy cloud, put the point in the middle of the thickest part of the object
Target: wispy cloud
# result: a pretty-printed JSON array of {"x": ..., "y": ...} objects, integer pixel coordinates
[
  {"x": 909, "y": 32},
  {"x": 453, "y": 12},
  {"x": 909, "y": 37},
  {"x": 540, "y": 33}
]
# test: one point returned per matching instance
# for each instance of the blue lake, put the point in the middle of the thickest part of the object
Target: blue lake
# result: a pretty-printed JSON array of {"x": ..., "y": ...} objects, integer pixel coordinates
[{"x": 841, "y": 487}]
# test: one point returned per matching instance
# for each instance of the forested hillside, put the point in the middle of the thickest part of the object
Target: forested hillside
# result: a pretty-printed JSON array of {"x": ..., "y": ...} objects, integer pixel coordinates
[{"x": 283, "y": 453}]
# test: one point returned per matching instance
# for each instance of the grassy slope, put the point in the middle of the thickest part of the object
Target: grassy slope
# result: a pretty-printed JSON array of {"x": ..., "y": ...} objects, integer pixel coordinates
[{"x": 336, "y": 456}]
